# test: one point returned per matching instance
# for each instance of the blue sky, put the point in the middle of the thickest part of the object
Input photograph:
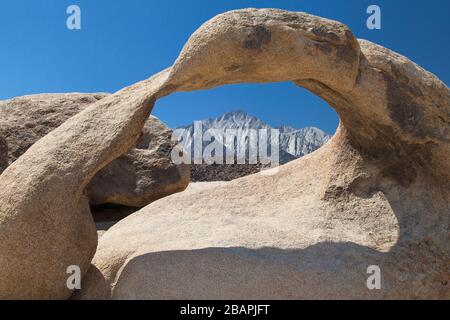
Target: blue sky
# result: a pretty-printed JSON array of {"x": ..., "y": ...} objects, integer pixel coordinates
[{"x": 125, "y": 41}]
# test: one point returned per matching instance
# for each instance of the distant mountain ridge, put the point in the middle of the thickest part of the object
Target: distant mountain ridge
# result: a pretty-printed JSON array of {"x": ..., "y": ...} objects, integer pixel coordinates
[{"x": 294, "y": 143}]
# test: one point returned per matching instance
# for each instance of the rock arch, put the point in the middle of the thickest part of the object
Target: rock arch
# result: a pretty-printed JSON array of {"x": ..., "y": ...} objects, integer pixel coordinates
[{"x": 394, "y": 137}]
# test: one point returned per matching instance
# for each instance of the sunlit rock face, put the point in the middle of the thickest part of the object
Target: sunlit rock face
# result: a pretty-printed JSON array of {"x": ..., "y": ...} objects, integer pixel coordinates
[{"x": 376, "y": 194}]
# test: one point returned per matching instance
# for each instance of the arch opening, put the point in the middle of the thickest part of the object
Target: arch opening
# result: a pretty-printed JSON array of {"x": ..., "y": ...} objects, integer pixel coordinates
[{"x": 303, "y": 122}]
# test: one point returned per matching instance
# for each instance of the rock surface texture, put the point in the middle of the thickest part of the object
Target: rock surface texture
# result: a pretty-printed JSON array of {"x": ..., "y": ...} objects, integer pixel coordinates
[
  {"x": 3, "y": 154},
  {"x": 136, "y": 179},
  {"x": 25, "y": 120},
  {"x": 145, "y": 174},
  {"x": 380, "y": 195}
]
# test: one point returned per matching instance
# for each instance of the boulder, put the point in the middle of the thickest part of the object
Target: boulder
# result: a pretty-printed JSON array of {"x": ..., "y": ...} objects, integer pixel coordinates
[
  {"x": 376, "y": 195},
  {"x": 136, "y": 179},
  {"x": 25, "y": 120},
  {"x": 145, "y": 174}
]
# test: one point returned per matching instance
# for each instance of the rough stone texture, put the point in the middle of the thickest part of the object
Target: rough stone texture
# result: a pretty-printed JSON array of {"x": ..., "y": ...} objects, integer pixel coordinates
[
  {"x": 45, "y": 221},
  {"x": 144, "y": 174},
  {"x": 3, "y": 154},
  {"x": 379, "y": 196},
  {"x": 138, "y": 178},
  {"x": 295, "y": 235},
  {"x": 222, "y": 172},
  {"x": 24, "y": 120}
]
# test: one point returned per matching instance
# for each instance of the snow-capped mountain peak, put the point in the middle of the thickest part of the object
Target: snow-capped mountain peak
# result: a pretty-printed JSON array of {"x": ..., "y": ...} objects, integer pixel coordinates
[
  {"x": 294, "y": 143},
  {"x": 234, "y": 120}
]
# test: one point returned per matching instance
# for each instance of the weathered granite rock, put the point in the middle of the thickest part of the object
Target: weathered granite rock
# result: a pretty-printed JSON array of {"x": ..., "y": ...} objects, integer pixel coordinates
[
  {"x": 3, "y": 154},
  {"x": 376, "y": 194},
  {"x": 25, "y": 120},
  {"x": 45, "y": 222},
  {"x": 136, "y": 179},
  {"x": 145, "y": 174}
]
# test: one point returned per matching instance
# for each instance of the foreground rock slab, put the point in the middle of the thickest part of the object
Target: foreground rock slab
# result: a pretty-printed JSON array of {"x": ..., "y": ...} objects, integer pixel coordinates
[{"x": 376, "y": 194}]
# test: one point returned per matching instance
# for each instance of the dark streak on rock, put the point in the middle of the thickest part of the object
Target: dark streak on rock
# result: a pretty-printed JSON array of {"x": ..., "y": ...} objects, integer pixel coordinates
[
  {"x": 325, "y": 47},
  {"x": 403, "y": 109},
  {"x": 233, "y": 67},
  {"x": 3, "y": 154},
  {"x": 325, "y": 34},
  {"x": 346, "y": 53},
  {"x": 349, "y": 35},
  {"x": 396, "y": 160},
  {"x": 257, "y": 37}
]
